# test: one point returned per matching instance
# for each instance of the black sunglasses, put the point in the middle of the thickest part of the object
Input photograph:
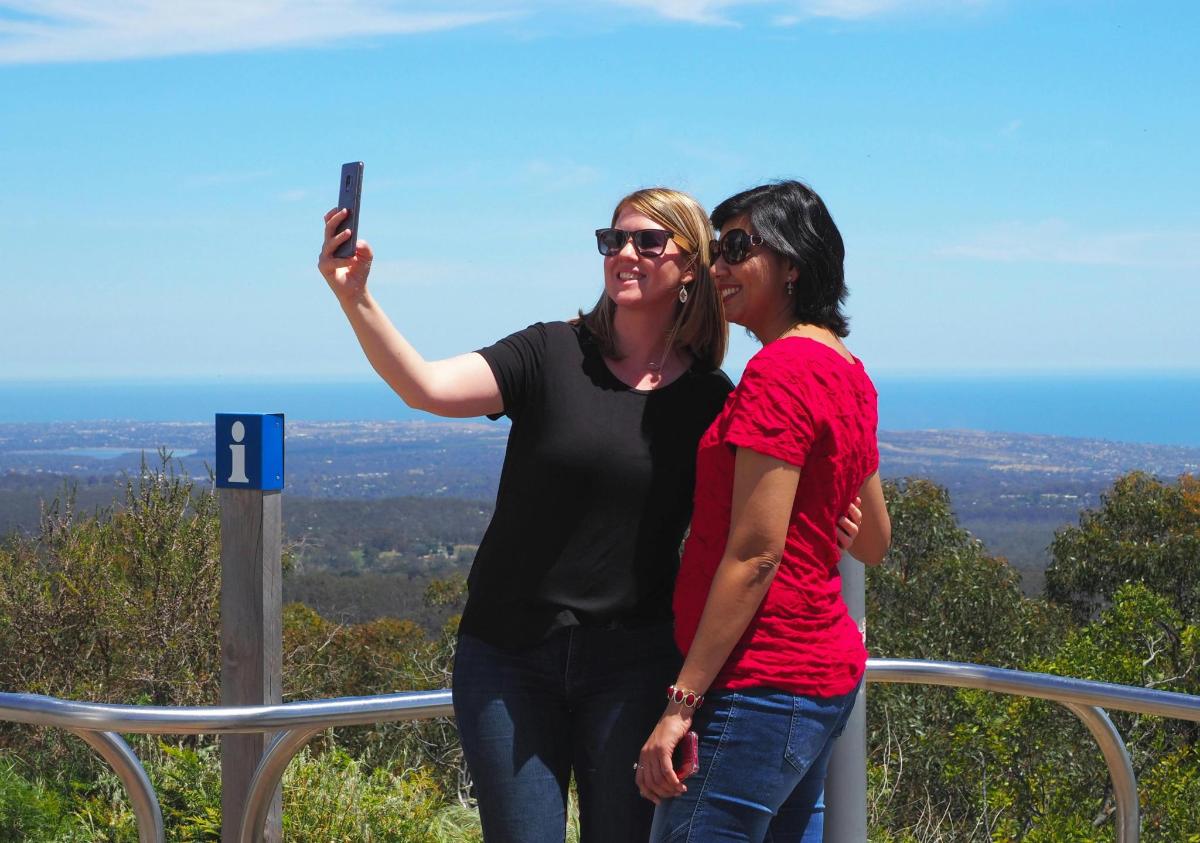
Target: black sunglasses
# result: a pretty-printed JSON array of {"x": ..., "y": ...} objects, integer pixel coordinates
[
  {"x": 734, "y": 246},
  {"x": 649, "y": 242}
]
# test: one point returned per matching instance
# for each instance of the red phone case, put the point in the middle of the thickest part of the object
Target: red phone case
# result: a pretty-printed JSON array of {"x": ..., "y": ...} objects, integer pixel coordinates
[{"x": 686, "y": 759}]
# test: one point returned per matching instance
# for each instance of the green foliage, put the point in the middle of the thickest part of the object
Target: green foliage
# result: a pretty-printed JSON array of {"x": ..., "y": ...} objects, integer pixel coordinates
[
  {"x": 1145, "y": 531},
  {"x": 334, "y": 796},
  {"x": 939, "y": 596},
  {"x": 31, "y": 812},
  {"x": 117, "y": 606},
  {"x": 1171, "y": 797},
  {"x": 122, "y": 606},
  {"x": 328, "y": 795},
  {"x": 323, "y": 659},
  {"x": 1046, "y": 772},
  {"x": 410, "y": 534}
]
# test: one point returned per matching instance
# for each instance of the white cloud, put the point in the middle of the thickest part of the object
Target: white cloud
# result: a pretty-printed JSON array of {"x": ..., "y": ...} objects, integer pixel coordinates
[
  {"x": 791, "y": 12},
  {"x": 34, "y": 31},
  {"x": 1056, "y": 241},
  {"x": 862, "y": 9},
  {"x": 37, "y": 31},
  {"x": 710, "y": 12}
]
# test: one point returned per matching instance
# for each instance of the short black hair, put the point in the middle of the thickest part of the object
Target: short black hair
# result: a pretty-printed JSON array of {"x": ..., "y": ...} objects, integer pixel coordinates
[{"x": 794, "y": 222}]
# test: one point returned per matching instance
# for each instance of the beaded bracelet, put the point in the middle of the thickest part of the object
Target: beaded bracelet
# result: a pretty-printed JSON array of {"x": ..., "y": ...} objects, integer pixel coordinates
[{"x": 684, "y": 697}]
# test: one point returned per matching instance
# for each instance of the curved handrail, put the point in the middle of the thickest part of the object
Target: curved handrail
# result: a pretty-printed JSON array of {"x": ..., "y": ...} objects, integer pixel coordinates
[
  {"x": 1063, "y": 689},
  {"x": 301, "y": 720},
  {"x": 124, "y": 762},
  {"x": 1120, "y": 768},
  {"x": 38, "y": 710}
]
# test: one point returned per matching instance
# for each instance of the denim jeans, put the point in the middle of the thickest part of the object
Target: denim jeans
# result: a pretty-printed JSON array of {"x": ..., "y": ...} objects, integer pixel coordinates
[
  {"x": 763, "y": 757},
  {"x": 584, "y": 700}
]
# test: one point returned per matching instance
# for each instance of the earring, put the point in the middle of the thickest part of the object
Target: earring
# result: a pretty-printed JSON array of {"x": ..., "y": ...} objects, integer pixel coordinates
[
  {"x": 682, "y": 293},
  {"x": 790, "y": 287}
]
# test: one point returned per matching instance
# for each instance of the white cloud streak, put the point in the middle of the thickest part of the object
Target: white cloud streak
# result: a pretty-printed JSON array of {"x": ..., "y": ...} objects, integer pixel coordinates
[
  {"x": 1058, "y": 242},
  {"x": 708, "y": 12},
  {"x": 43, "y": 31},
  {"x": 792, "y": 12},
  {"x": 39, "y": 31},
  {"x": 863, "y": 9}
]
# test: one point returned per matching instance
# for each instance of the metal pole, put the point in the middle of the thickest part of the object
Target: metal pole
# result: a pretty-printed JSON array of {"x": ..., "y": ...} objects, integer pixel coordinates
[
  {"x": 113, "y": 749},
  {"x": 250, "y": 476},
  {"x": 1120, "y": 769},
  {"x": 846, "y": 782}
]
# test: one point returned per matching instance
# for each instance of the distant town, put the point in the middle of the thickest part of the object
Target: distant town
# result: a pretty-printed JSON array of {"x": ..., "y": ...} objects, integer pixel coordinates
[{"x": 1011, "y": 490}]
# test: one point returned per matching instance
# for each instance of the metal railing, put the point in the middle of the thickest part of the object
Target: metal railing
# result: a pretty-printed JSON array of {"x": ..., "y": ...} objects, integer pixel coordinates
[{"x": 297, "y": 723}]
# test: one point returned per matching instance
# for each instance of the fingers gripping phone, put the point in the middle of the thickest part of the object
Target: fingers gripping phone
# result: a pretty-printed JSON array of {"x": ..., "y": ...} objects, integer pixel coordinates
[
  {"x": 686, "y": 759},
  {"x": 349, "y": 197}
]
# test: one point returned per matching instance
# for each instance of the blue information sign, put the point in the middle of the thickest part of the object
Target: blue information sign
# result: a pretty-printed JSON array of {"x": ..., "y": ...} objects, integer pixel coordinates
[{"x": 250, "y": 450}]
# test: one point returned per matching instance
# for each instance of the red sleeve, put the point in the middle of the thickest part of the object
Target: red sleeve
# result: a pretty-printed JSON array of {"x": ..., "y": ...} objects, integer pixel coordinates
[{"x": 768, "y": 414}]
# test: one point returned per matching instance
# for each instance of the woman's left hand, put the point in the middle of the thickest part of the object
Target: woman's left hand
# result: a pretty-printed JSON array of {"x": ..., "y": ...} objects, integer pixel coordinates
[{"x": 656, "y": 779}]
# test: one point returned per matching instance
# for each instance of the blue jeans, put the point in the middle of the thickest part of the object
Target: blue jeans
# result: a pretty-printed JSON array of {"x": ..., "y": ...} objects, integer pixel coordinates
[
  {"x": 763, "y": 757},
  {"x": 584, "y": 700}
]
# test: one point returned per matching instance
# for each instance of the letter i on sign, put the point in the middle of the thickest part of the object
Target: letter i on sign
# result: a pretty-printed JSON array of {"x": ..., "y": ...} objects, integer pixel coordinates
[
  {"x": 238, "y": 452},
  {"x": 249, "y": 451}
]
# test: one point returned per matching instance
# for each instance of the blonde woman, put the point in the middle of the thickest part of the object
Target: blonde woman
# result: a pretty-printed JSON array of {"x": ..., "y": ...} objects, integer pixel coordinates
[{"x": 566, "y": 639}]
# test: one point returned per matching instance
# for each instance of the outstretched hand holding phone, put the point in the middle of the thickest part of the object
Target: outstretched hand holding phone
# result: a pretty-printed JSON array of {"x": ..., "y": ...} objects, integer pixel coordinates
[
  {"x": 345, "y": 260},
  {"x": 347, "y": 277},
  {"x": 456, "y": 387}
]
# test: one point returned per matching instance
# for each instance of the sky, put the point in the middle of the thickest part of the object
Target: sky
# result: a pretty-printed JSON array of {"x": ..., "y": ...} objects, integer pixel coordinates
[{"x": 1015, "y": 180}]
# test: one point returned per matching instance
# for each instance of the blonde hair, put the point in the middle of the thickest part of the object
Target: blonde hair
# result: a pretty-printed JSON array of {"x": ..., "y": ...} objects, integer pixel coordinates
[{"x": 700, "y": 325}]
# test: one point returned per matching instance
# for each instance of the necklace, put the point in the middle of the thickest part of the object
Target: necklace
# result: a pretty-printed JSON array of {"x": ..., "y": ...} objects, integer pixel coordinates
[{"x": 656, "y": 369}]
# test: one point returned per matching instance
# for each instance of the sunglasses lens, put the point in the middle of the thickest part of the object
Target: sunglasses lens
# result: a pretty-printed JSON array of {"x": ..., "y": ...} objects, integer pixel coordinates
[
  {"x": 651, "y": 241},
  {"x": 610, "y": 241},
  {"x": 735, "y": 246}
]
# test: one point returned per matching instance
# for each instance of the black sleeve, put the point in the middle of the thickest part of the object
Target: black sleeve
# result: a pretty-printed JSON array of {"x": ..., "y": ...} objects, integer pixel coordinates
[{"x": 516, "y": 361}]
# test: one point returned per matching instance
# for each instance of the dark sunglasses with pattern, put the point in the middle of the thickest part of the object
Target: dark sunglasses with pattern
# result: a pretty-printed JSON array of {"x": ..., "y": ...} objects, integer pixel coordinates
[
  {"x": 734, "y": 246},
  {"x": 648, "y": 242}
]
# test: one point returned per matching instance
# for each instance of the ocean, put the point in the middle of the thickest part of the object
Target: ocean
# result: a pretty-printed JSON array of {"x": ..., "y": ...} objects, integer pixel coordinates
[{"x": 1160, "y": 409}]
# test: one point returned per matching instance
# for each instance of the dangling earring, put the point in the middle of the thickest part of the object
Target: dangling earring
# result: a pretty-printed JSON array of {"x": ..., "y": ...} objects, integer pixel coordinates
[
  {"x": 790, "y": 287},
  {"x": 682, "y": 293}
]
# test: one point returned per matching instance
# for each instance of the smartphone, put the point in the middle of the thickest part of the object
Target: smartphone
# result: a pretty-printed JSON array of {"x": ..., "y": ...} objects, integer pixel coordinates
[
  {"x": 349, "y": 196},
  {"x": 686, "y": 759}
]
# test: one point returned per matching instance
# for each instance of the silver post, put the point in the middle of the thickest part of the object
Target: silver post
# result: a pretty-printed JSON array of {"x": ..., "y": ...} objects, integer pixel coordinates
[{"x": 846, "y": 783}]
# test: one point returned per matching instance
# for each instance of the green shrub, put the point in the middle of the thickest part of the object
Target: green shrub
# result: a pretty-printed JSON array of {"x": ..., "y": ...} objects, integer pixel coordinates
[{"x": 32, "y": 813}]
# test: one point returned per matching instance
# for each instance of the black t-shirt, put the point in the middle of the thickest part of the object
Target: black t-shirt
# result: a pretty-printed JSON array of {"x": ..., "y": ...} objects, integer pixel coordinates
[{"x": 595, "y": 492}]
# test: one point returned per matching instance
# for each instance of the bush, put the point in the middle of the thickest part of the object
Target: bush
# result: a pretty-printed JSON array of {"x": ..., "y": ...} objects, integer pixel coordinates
[{"x": 32, "y": 813}]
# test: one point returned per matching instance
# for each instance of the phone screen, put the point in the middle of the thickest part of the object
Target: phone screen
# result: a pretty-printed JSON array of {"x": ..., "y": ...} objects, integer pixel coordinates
[{"x": 350, "y": 197}]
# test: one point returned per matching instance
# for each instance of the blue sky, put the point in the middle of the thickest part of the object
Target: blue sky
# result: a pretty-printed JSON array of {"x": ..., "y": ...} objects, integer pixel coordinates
[{"x": 1016, "y": 181}]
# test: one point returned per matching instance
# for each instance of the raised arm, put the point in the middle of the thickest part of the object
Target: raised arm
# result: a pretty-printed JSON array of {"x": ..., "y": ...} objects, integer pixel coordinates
[{"x": 456, "y": 387}]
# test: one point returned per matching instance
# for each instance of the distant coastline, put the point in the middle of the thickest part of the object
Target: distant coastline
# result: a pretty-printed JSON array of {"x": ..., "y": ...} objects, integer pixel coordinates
[{"x": 1160, "y": 408}]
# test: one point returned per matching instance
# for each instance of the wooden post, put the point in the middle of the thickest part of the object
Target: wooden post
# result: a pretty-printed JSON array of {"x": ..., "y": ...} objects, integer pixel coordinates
[{"x": 250, "y": 477}]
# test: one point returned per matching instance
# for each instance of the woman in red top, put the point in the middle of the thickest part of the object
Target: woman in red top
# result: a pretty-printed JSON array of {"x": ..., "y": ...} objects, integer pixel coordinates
[{"x": 773, "y": 659}]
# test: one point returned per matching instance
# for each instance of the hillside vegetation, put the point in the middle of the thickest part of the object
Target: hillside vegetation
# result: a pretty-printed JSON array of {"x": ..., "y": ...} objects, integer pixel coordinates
[{"x": 121, "y": 605}]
